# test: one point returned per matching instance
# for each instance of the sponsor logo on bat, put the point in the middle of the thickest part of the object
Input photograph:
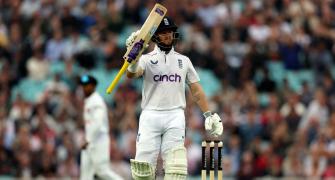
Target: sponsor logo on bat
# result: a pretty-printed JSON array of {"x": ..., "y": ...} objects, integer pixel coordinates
[
  {"x": 135, "y": 50},
  {"x": 159, "y": 11}
]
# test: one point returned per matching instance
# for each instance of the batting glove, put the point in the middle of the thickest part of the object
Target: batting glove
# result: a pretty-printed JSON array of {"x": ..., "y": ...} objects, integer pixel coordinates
[
  {"x": 130, "y": 40},
  {"x": 213, "y": 124}
]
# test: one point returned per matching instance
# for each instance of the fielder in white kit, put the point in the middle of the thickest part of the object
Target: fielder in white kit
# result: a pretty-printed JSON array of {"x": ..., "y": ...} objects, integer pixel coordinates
[
  {"x": 95, "y": 157},
  {"x": 162, "y": 121}
]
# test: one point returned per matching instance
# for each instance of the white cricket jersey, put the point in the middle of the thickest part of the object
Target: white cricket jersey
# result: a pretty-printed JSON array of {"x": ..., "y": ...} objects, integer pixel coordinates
[
  {"x": 95, "y": 117},
  {"x": 164, "y": 79}
]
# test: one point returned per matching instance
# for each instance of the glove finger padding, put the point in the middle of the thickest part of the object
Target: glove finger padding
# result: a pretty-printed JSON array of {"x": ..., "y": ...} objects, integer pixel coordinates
[
  {"x": 216, "y": 118},
  {"x": 217, "y": 125},
  {"x": 130, "y": 40},
  {"x": 208, "y": 123}
]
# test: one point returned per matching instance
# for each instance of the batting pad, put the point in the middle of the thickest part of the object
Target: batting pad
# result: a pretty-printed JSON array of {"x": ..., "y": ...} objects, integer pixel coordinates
[
  {"x": 176, "y": 164},
  {"x": 141, "y": 170}
]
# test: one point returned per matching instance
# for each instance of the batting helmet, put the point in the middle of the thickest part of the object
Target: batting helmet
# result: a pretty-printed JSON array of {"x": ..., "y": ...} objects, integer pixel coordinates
[{"x": 166, "y": 24}]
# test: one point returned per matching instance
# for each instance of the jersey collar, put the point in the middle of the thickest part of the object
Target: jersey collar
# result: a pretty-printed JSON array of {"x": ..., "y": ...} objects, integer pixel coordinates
[
  {"x": 91, "y": 96},
  {"x": 162, "y": 52}
]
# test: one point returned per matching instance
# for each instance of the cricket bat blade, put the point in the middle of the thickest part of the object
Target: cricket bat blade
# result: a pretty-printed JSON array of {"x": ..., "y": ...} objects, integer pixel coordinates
[{"x": 134, "y": 52}]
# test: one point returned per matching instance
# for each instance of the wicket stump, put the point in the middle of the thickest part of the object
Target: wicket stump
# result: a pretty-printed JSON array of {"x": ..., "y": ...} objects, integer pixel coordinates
[{"x": 212, "y": 163}]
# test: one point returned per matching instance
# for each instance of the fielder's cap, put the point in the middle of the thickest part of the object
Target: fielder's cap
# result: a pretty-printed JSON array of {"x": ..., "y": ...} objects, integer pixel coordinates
[{"x": 87, "y": 79}]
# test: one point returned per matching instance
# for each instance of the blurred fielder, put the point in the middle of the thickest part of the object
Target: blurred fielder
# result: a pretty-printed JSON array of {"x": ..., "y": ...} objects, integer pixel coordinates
[
  {"x": 162, "y": 121},
  {"x": 95, "y": 150}
]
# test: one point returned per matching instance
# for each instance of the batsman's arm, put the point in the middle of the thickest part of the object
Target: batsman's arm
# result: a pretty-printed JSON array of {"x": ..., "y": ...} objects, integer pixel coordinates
[
  {"x": 213, "y": 122},
  {"x": 134, "y": 73},
  {"x": 199, "y": 96}
]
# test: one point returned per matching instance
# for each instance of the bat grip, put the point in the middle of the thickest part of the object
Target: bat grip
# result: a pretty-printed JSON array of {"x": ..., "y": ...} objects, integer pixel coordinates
[{"x": 117, "y": 77}]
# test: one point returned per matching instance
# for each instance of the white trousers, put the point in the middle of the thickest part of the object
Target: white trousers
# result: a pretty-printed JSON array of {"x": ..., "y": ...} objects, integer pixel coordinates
[
  {"x": 95, "y": 161},
  {"x": 159, "y": 131}
]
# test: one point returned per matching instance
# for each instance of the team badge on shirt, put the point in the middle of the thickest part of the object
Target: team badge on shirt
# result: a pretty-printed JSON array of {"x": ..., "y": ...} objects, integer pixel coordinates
[
  {"x": 180, "y": 64},
  {"x": 154, "y": 62}
]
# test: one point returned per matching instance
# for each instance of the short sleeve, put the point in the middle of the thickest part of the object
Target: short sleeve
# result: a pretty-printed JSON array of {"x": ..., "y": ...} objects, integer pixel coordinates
[
  {"x": 191, "y": 75},
  {"x": 141, "y": 63}
]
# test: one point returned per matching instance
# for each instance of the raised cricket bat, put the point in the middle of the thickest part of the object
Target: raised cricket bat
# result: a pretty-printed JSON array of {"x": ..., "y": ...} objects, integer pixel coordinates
[{"x": 146, "y": 32}]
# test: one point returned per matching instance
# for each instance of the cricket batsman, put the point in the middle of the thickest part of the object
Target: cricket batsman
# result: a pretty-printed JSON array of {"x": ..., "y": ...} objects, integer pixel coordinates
[
  {"x": 95, "y": 150},
  {"x": 165, "y": 74}
]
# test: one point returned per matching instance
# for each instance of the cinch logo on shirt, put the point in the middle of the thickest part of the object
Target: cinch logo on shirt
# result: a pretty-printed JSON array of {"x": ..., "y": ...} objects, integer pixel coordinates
[{"x": 167, "y": 78}]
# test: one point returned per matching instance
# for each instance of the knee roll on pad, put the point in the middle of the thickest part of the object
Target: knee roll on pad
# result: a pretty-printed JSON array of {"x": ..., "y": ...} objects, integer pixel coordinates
[
  {"x": 141, "y": 170},
  {"x": 176, "y": 164}
]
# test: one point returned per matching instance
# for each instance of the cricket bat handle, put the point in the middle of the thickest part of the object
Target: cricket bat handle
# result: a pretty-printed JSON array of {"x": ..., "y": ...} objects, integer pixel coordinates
[{"x": 117, "y": 77}]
